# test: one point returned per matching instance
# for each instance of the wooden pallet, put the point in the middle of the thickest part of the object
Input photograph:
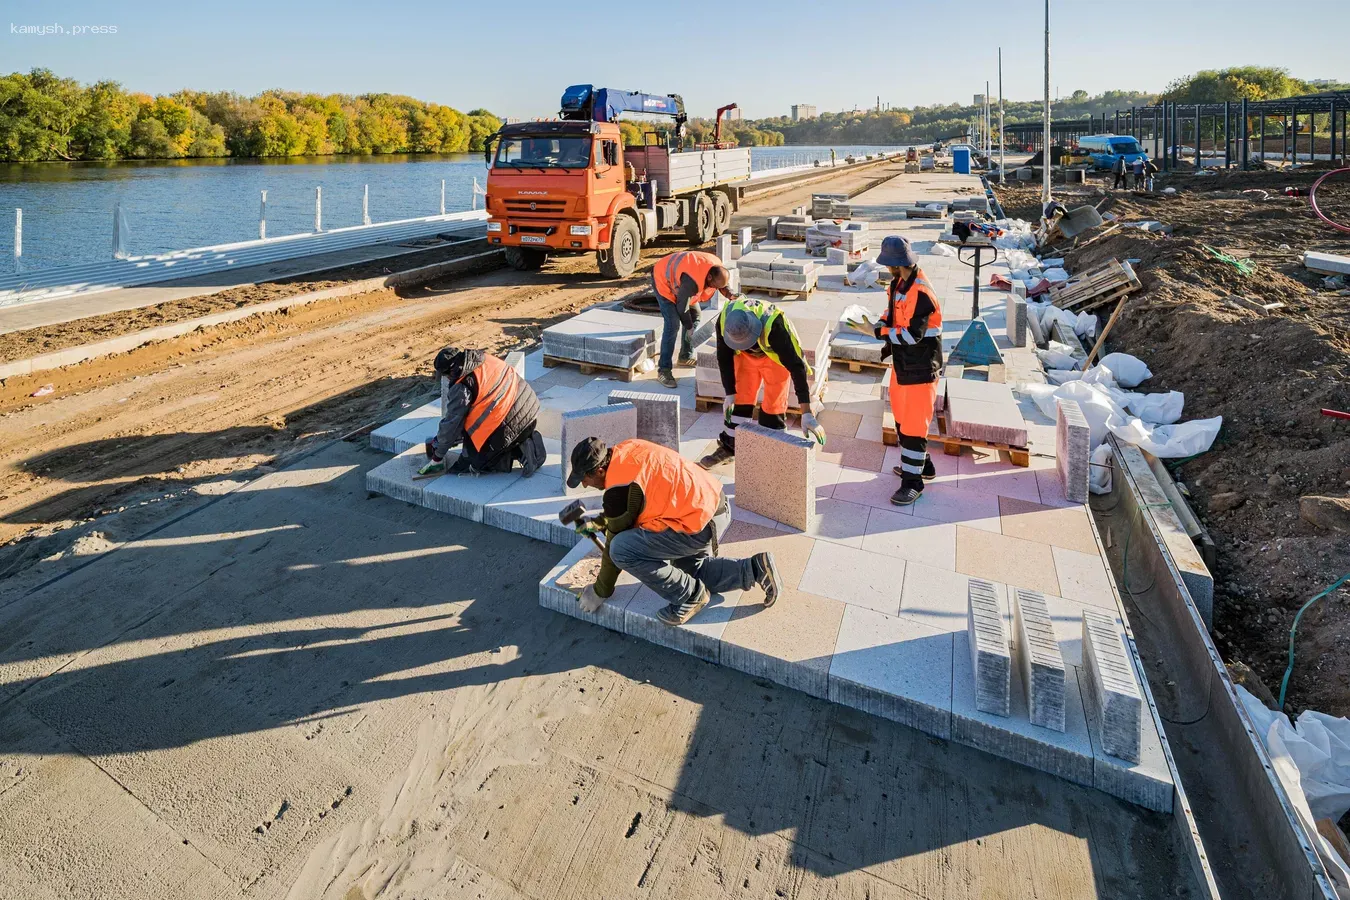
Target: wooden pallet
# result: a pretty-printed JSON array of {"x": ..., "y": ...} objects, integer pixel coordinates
[
  {"x": 774, "y": 292},
  {"x": 1096, "y": 287},
  {"x": 714, "y": 404},
  {"x": 857, "y": 365},
  {"x": 625, "y": 374},
  {"x": 952, "y": 445}
]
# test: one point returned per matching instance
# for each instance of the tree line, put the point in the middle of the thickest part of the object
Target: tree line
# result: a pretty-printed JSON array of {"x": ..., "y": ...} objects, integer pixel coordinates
[{"x": 45, "y": 117}]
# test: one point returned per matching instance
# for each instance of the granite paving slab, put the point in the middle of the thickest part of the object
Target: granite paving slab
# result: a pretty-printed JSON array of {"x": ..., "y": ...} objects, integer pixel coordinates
[
  {"x": 658, "y": 415},
  {"x": 776, "y": 474},
  {"x": 854, "y": 576},
  {"x": 894, "y": 668},
  {"x": 1110, "y": 689},
  {"x": 911, "y": 537},
  {"x": 409, "y": 430},
  {"x": 611, "y": 423},
  {"x": 1038, "y": 658},
  {"x": 1084, "y": 577},
  {"x": 990, "y": 656},
  {"x": 997, "y": 557},
  {"x": 1067, "y": 527}
]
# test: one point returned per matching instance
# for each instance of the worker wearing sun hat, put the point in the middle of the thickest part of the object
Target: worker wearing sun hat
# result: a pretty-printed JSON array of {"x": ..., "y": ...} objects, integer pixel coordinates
[
  {"x": 912, "y": 330},
  {"x": 757, "y": 347}
]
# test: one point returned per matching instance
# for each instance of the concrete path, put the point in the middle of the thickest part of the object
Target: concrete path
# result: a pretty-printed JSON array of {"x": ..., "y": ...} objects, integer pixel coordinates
[{"x": 297, "y": 691}]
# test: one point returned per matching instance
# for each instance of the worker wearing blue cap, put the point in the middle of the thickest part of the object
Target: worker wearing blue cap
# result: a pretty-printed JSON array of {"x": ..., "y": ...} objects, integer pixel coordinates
[
  {"x": 912, "y": 330},
  {"x": 758, "y": 349}
]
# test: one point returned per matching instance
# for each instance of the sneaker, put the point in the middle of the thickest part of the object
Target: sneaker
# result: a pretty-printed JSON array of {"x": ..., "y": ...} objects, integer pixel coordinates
[
  {"x": 929, "y": 472},
  {"x": 666, "y": 378},
  {"x": 687, "y": 362},
  {"x": 906, "y": 495},
  {"x": 766, "y": 576},
  {"x": 678, "y": 615},
  {"x": 532, "y": 454},
  {"x": 714, "y": 459}
]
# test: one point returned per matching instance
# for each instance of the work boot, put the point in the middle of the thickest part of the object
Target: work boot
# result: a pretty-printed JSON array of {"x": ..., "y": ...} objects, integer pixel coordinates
[
  {"x": 532, "y": 454},
  {"x": 459, "y": 467},
  {"x": 672, "y": 614},
  {"x": 929, "y": 472},
  {"x": 685, "y": 362},
  {"x": 766, "y": 576},
  {"x": 907, "y": 494},
  {"x": 666, "y": 378},
  {"x": 719, "y": 455}
]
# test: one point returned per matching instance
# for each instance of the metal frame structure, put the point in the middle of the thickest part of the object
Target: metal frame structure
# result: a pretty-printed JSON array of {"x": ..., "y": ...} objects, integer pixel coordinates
[{"x": 1169, "y": 125}]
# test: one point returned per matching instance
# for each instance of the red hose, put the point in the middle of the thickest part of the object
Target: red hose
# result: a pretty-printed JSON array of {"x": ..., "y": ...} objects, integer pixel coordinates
[{"x": 1312, "y": 200}]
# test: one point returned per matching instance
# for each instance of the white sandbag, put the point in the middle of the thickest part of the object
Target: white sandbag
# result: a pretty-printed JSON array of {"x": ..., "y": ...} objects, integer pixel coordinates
[
  {"x": 940, "y": 249},
  {"x": 1055, "y": 274},
  {"x": 1129, "y": 371},
  {"x": 1019, "y": 260},
  {"x": 1099, "y": 374},
  {"x": 1157, "y": 409},
  {"x": 1053, "y": 262},
  {"x": 868, "y": 274},
  {"x": 1056, "y": 359},
  {"x": 1085, "y": 325},
  {"x": 1099, "y": 473},
  {"x": 1052, "y": 314},
  {"x": 1165, "y": 441},
  {"x": 1060, "y": 376},
  {"x": 1095, "y": 404}
]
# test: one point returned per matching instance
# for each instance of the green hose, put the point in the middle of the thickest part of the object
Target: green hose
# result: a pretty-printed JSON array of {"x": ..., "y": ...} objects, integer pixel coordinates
[{"x": 1289, "y": 670}]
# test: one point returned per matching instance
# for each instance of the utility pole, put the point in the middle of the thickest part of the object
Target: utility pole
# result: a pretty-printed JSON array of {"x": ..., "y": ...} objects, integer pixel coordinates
[
  {"x": 988, "y": 123},
  {"x": 1000, "y": 115},
  {"x": 1045, "y": 156}
]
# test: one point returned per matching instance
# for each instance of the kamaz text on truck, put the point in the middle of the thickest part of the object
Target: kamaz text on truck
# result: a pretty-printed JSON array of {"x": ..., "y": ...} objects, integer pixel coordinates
[{"x": 569, "y": 185}]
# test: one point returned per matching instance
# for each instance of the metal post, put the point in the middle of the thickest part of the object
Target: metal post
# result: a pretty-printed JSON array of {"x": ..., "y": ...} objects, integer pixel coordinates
[
  {"x": 1166, "y": 149},
  {"x": 1293, "y": 134},
  {"x": 1199, "y": 165},
  {"x": 1045, "y": 154},
  {"x": 318, "y": 210},
  {"x": 442, "y": 196},
  {"x": 1227, "y": 136},
  {"x": 262, "y": 217},
  {"x": 1263, "y": 136},
  {"x": 1244, "y": 155},
  {"x": 365, "y": 205},
  {"x": 1001, "y": 118},
  {"x": 1117, "y": 121},
  {"x": 1284, "y": 138},
  {"x": 119, "y": 242},
  {"x": 18, "y": 240},
  {"x": 1176, "y": 144},
  {"x": 1331, "y": 124}
]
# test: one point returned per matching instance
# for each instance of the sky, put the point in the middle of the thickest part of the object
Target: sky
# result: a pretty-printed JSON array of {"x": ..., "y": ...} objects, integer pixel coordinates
[{"x": 514, "y": 57}]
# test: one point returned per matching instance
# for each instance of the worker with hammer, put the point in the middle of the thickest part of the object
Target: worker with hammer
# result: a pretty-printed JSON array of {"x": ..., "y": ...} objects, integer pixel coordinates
[
  {"x": 492, "y": 412},
  {"x": 757, "y": 347},
  {"x": 912, "y": 330},
  {"x": 682, "y": 281},
  {"x": 663, "y": 516}
]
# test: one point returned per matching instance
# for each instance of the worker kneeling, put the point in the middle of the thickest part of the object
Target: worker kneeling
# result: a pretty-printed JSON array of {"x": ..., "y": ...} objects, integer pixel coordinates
[
  {"x": 912, "y": 329},
  {"x": 663, "y": 515},
  {"x": 492, "y": 411},
  {"x": 757, "y": 347},
  {"x": 682, "y": 281}
]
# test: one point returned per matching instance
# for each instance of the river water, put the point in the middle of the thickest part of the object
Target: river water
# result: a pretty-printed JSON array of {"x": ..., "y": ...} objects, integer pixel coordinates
[{"x": 68, "y": 208}]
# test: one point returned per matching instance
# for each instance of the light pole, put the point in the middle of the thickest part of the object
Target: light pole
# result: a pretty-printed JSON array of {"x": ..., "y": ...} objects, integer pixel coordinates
[
  {"x": 1045, "y": 140},
  {"x": 1000, "y": 115}
]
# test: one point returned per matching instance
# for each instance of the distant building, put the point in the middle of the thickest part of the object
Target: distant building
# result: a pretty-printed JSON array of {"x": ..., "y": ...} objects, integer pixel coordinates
[
  {"x": 511, "y": 120},
  {"x": 802, "y": 111},
  {"x": 734, "y": 115},
  {"x": 979, "y": 100}
]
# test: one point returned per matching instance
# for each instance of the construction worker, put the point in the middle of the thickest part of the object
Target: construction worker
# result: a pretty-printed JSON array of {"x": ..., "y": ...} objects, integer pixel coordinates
[
  {"x": 666, "y": 535},
  {"x": 758, "y": 347},
  {"x": 912, "y": 329},
  {"x": 492, "y": 412},
  {"x": 682, "y": 281}
]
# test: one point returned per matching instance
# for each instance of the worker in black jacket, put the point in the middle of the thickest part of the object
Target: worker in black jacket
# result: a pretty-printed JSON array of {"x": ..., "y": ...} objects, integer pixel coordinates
[{"x": 491, "y": 411}]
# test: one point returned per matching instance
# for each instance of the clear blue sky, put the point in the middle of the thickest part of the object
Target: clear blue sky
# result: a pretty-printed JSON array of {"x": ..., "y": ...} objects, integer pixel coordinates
[{"x": 516, "y": 57}]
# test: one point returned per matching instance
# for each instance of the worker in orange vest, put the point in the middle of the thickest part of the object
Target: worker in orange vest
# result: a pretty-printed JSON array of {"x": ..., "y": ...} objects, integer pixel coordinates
[
  {"x": 664, "y": 527},
  {"x": 682, "y": 281},
  {"x": 491, "y": 411},
  {"x": 912, "y": 329}
]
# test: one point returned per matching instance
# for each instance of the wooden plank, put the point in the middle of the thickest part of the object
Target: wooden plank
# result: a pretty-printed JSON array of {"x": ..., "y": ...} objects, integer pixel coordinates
[
  {"x": 1101, "y": 338},
  {"x": 625, "y": 374}
]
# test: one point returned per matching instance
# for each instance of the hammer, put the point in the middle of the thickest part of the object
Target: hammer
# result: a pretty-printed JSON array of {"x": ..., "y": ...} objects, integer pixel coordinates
[{"x": 574, "y": 514}]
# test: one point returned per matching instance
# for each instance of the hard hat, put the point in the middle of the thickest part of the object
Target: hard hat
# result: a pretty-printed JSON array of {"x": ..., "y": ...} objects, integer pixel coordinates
[
  {"x": 741, "y": 329},
  {"x": 896, "y": 251}
]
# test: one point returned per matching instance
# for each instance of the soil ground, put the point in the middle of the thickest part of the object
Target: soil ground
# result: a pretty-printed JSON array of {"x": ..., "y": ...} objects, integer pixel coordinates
[
  {"x": 142, "y": 433},
  {"x": 1268, "y": 376}
]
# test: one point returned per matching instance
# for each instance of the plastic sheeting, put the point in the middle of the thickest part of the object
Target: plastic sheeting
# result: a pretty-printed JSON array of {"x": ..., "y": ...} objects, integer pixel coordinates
[
  {"x": 869, "y": 274},
  {"x": 1128, "y": 371},
  {"x": 1167, "y": 441},
  {"x": 1105, "y": 409},
  {"x": 1099, "y": 473},
  {"x": 940, "y": 249},
  {"x": 1311, "y": 757}
]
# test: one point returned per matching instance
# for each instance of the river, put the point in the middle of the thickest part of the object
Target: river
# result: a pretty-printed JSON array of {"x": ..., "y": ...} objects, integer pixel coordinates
[{"x": 68, "y": 208}]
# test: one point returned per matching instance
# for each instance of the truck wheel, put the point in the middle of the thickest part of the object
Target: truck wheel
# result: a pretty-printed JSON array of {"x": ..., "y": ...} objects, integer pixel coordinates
[
  {"x": 699, "y": 229},
  {"x": 721, "y": 213},
  {"x": 625, "y": 248},
  {"x": 525, "y": 259}
]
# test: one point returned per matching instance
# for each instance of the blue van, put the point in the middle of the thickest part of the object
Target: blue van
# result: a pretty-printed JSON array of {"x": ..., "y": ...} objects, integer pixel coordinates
[{"x": 1105, "y": 149}]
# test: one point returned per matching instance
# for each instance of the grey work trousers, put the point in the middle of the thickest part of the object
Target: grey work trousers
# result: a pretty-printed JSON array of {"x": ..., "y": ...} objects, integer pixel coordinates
[{"x": 673, "y": 564}]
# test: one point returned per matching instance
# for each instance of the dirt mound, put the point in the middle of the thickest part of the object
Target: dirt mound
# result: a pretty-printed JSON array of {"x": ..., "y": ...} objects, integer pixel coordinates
[{"x": 1268, "y": 376}]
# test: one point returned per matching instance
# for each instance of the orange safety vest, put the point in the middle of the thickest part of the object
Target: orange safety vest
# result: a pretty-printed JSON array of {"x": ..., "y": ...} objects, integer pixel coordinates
[
  {"x": 498, "y": 388},
  {"x": 695, "y": 264},
  {"x": 902, "y": 310},
  {"x": 679, "y": 496}
]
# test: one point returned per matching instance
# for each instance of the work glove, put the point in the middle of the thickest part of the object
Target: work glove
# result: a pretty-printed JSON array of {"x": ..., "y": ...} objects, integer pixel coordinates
[
  {"x": 430, "y": 449},
  {"x": 728, "y": 404},
  {"x": 591, "y": 526},
  {"x": 590, "y": 600},
  {"x": 433, "y": 467},
  {"x": 813, "y": 428}
]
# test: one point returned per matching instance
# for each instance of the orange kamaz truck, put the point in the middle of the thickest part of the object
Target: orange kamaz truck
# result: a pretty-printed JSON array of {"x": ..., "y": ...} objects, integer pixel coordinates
[{"x": 568, "y": 185}]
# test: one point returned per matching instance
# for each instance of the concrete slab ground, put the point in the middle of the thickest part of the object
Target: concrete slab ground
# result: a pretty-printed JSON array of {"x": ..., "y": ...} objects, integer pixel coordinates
[{"x": 300, "y": 691}]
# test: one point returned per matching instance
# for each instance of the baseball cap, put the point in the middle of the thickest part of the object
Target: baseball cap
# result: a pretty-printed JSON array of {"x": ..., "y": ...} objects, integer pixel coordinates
[{"x": 587, "y": 456}]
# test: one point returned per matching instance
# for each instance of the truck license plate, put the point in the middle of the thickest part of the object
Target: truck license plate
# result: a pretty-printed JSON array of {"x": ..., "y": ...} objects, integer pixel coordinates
[{"x": 531, "y": 239}]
